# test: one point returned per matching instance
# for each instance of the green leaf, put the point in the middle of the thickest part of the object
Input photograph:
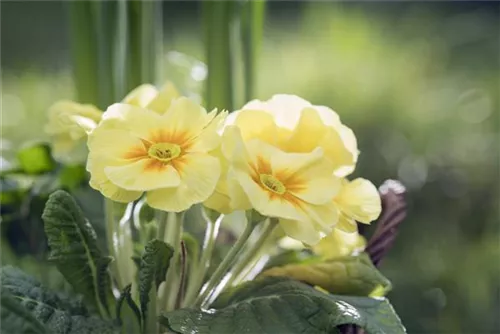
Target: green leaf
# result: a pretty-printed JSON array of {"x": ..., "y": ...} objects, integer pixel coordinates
[
  {"x": 16, "y": 319},
  {"x": 57, "y": 312},
  {"x": 348, "y": 275},
  {"x": 128, "y": 314},
  {"x": 281, "y": 305},
  {"x": 36, "y": 159},
  {"x": 154, "y": 265},
  {"x": 73, "y": 248}
]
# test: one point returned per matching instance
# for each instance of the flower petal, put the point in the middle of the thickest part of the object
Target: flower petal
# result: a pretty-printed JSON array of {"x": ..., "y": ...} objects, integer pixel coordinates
[
  {"x": 199, "y": 175},
  {"x": 163, "y": 99},
  {"x": 307, "y": 176},
  {"x": 359, "y": 200},
  {"x": 265, "y": 203},
  {"x": 143, "y": 175},
  {"x": 185, "y": 117},
  {"x": 300, "y": 230},
  {"x": 141, "y": 96},
  {"x": 115, "y": 193},
  {"x": 308, "y": 133},
  {"x": 138, "y": 121}
]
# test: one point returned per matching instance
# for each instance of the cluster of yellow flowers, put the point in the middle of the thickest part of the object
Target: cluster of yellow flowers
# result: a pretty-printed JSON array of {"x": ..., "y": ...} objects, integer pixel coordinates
[{"x": 284, "y": 158}]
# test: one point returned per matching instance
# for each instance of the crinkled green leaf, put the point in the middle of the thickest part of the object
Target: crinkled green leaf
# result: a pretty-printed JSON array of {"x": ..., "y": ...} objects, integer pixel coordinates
[
  {"x": 127, "y": 313},
  {"x": 16, "y": 319},
  {"x": 281, "y": 305},
  {"x": 348, "y": 275},
  {"x": 153, "y": 269},
  {"x": 73, "y": 248},
  {"x": 59, "y": 314}
]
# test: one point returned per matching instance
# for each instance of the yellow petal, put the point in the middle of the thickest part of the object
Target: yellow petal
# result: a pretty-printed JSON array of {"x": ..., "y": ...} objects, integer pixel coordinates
[
  {"x": 138, "y": 121},
  {"x": 346, "y": 224},
  {"x": 115, "y": 144},
  {"x": 339, "y": 243},
  {"x": 185, "y": 116},
  {"x": 199, "y": 175},
  {"x": 219, "y": 202},
  {"x": 265, "y": 203},
  {"x": 162, "y": 101},
  {"x": 300, "y": 230},
  {"x": 238, "y": 198},
  {"x": 115, "y": 193},
  {"x": 359, "y": 200},
  {"x": 324, "y": 217},
  {"x": 254, "y": 124},
  {"x": 100, "y": 182},
  {"x": 143, "y": 175},
  {"x": 141, "y": 96},
  {"x": 307, "y": 175},
  {"x": 284, "y": 108},
  {"x": 308, "y": 132},
  {"x": 209, "y": 139}
]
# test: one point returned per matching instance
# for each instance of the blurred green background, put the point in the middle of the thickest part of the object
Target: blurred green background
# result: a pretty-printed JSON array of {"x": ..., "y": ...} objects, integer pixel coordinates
[{"x": 418, "y": 82}]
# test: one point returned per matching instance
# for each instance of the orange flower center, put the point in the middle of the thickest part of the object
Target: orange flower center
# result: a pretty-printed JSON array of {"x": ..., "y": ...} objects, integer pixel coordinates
[
  {"x": 164, "y": 152},
  {"x": 272, "y": 183}
]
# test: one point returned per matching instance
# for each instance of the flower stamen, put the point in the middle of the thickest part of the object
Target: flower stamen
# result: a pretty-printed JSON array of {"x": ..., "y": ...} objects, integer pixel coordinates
[
  {"x": 164, "y": 152},
  {"x": 272, "y": 183}
]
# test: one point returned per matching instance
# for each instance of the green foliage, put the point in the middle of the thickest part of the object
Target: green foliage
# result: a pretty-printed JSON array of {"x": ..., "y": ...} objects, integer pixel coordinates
[
  {"x": 153, "y": 268},
  {"x": 73, "y": 245},
  {"x": 35, "y": 159},
  {"x": 127, "y": 313},
  {"x": 26, "y": 298},
  {"x": 281, "y": 305},
  {"x": 16, "y": 319},
  {"x": 348, "y": 275}
]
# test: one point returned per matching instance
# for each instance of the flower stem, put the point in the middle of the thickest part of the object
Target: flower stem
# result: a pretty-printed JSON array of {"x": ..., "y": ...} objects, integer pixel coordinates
[
  {"x": 173, "y": 237},
  {"x": 252, "y": 252},
  {"x": 196, "y": 280},
  {"x": 111, "y": 234},
  {"x": 224, "y": 265}
]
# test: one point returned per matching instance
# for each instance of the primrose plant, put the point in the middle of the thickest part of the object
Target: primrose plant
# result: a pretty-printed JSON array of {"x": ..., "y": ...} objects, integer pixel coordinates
[{"x": 276, "y": 171}]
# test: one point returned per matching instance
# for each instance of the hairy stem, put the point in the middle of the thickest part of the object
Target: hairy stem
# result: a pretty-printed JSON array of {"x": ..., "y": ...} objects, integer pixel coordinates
[
  {"x": 224, "y": 265},
  {"x": 196, "y": 280}
]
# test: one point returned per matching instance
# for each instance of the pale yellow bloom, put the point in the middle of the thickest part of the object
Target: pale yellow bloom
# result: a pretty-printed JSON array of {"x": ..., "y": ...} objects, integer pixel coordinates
[
  {"x": 339, "y": 243},
  {"x": 297, "y": 188},
  {"x": 69, "y": 122},
  {"x": 67, "y": 125},
  {"x": 358, "y": 201},
  {"x": 295, "y": 125},
  {"x": 135, "y": 150}
]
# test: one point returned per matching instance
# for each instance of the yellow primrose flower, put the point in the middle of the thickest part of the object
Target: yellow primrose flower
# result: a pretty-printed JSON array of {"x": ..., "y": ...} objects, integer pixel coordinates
[
  {"x": 296, "y": 126},
  {"x": 357, "y": 201},
  {"x": 69, "y": 122},
  {"x": 67, "y": 125},
  {"x": 297, "y": 188},
  {"x": 339, "y": 243},
  {"x": 135, "y": 150}
]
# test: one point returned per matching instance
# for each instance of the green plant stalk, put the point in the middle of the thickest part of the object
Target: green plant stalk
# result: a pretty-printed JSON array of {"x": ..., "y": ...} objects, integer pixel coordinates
[
  {"x": 224, "y": 265},
  {"x": 120, "y": 51},
  {"x": 105, "y": 23},
  {"x": 124, "y": 249},
  {"x": 251, "y": 253},
  {"x": 84, "y": 51},
  {"x": 173, "y": 237},
  {"x": 143, "y": 22},
  {"x": 111, "y": 231},
  {"x": 252, "y": 22},
  {"x": 217, "y": 18},
  {"x": 196, "y": 279}
]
